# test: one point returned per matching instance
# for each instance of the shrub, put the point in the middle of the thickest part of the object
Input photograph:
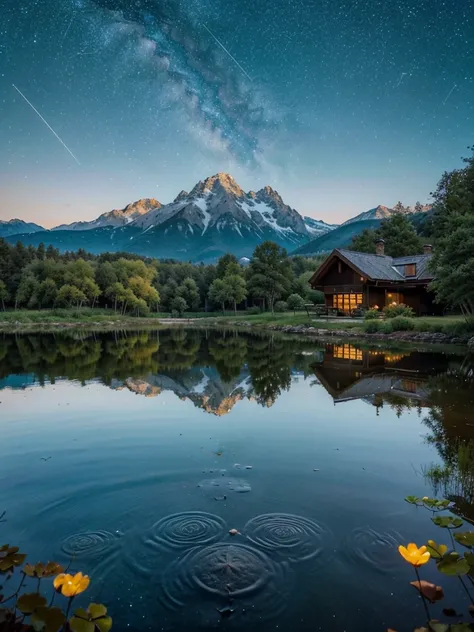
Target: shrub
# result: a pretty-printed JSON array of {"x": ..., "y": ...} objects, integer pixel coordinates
[
  {"x": 254, "y": 310},
  {"x": 459, "y": 329},
  {"x": 392, "y": 311},
  {"x": 371, "y": 314},
  {"x": 295, "y": 302},
  {"x": 400, "y": 323},
  {"x": 372, "y": 326},
  {"x": 386, "y": 327},
  {"x": 281, "y": 306}
]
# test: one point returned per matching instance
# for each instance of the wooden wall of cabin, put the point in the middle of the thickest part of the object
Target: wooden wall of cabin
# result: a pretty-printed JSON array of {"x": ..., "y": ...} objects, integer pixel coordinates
[{"x": 346, "y": 275}]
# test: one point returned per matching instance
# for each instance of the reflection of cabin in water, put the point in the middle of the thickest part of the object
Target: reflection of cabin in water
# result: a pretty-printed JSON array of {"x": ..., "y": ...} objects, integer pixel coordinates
[{"x": 348, "y": 373}]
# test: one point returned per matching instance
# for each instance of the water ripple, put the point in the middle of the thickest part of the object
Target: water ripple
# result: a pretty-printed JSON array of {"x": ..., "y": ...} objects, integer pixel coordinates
[
  {"x": 377, "y": 550},
  {"x": 90, "y": 544},
  {"x": 222, "y": 574},
  {"x": 187, "y": 529},
  {"x": 295, "y": 537}
]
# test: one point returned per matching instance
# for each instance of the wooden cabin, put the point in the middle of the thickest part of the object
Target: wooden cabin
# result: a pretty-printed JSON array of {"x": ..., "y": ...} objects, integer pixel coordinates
[{"x": 351, "y": 279}]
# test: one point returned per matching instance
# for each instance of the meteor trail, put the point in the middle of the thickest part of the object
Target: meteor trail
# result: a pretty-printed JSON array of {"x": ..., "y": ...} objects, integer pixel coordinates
[
  {"x": 46, "y": 123},
  {"x": 449, "y": 94},
  {"x": 228, "y": 53}
]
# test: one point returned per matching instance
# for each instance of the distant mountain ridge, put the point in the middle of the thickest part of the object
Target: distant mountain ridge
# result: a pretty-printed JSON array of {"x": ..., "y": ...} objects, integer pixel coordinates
[
  {"x": 215, "y": 217},
  {"x": 383, "y": 212},
  {"x": 18, "y": 226}
]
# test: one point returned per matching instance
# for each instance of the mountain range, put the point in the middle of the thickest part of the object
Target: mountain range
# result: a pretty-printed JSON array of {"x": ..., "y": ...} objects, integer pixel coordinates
[{"x": 216, "y": 217}]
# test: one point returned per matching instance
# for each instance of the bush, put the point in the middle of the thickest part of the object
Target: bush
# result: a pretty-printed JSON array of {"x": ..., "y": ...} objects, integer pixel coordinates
[
  {"x": 281, "y": 306},
  {"x": 392, "y": 311},
  {"x": 254, "y": 310},
  {"x": 295, "y": 302},
  {"x": 372, "y": 326},
  {"x": 459, "y": 329},
  {"x": 400, "y": 323},
  {"x": 386, "y": 327},
  {"x": 371, "y": 314}
]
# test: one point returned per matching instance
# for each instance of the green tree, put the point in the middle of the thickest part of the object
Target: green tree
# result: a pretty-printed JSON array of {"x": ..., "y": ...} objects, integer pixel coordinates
[
  {"x": 269, "y": 273},
  {"x": 235, "y": 289},
  {"x": 47, "y": 293},
  {"x": 69, "y": 295},
  {"x": 179, "y": 305},
  {"x": 218, "y": 293},
  {"x": 27, "y": 291},
  {"x": 227, "y": 264},
  {"x": 188, "y": 290},
  {"x": 295, "y": 302},
  {"x": 4, "y": 294},
  {"x": 398, "y": 233},
  {"x": 453, "y": 224}
]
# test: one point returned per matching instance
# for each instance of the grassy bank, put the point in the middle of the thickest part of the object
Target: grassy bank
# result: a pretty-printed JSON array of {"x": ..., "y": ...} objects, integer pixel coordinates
[{"x": 31, "y": 319}]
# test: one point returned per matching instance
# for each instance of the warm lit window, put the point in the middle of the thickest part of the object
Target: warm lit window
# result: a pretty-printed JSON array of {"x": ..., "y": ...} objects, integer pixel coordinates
[
  {"x": 410, "y": 269},
  {"x": 347, "y": 352},
  {"x": 346, "y": 302}
]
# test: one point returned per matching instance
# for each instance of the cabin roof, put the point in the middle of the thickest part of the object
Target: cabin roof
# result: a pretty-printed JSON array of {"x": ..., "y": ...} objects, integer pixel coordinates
[{"x": 380, "y": 267}]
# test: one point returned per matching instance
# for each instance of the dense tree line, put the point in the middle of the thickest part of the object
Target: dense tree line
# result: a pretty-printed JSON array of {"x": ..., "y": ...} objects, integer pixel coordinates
[
  {"x": 398, "y": 231},
  {"x": 43, "y": 278}
]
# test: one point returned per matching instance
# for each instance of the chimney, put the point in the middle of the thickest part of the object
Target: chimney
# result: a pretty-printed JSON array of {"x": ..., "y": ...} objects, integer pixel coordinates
[
  {"x": 427, "y": 249},
  {"x": 380, "y": 247}
]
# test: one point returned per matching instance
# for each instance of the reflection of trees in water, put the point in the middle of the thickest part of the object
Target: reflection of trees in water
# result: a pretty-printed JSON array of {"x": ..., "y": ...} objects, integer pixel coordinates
[
  {"x": 120, "y": 355},
  {"x": 229, "y": 354},
  {"x": 451, "y": 424},
  {"x": 269, "y": 361}
]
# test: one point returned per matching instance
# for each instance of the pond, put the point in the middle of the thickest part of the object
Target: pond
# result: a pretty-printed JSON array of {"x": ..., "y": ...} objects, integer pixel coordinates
[{"x": 133, "y": 454}]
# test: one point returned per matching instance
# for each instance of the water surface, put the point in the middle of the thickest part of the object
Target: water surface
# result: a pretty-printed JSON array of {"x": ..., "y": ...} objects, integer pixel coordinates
[{"x": 138, "y": 452}]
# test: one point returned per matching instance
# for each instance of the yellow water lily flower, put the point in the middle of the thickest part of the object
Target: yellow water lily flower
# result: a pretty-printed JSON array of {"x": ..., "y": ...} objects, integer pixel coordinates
[
  {"x": 414, "y": 555},
  {"x": 71, "y": 585}
]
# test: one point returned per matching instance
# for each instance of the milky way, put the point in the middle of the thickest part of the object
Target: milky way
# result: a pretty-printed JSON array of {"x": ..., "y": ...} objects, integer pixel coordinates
[{"x": 340, "y": 105}]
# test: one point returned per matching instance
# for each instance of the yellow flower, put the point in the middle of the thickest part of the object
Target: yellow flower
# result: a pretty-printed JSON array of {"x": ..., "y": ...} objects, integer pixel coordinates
[
  {"x": 71, "y": 585},
  {"x": 414, "y": 555}
]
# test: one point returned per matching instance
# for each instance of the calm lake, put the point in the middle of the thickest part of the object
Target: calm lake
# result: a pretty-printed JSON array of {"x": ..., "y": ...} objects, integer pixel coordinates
[{"x": 136, "y": 453}]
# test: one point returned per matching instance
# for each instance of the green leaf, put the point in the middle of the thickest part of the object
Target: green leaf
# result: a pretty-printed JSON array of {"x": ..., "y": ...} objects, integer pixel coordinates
[
  {"x": 443, "y": 503},
  {"x": 104, "y": 623},
  {"x": 452, "y": 564},
  {"x": 435, "y": 550},
  {"x": 466, "y": 538},
  {"x": 413, "y": 500},
  {"x": 81, "y": 625},
  {"x": 29, "y": 602},
  {"x": 447, "y": 522},
  {"x": 97, "y": 610},
  {"x": 83, "y": 614},
  {"x": 469, "y": 558},
  {"x": 461, "y": 627},
  {"x": 437, "y": 626},
  {"x": 47, "y": 619}
]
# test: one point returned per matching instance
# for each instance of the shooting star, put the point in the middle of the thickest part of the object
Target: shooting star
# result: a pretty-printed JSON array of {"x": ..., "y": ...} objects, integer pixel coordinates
[
  {"x": 228, "y": 53},
  {"x": 68, "y": 27},
  {"x": 46, "y": 123},
  {"x": 449, "y": 93}
]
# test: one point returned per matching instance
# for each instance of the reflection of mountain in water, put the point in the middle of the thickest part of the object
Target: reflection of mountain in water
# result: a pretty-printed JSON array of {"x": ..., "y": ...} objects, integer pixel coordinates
[
  {"x": 203, "y": 386},
  {"x": 214, "y": 370}
]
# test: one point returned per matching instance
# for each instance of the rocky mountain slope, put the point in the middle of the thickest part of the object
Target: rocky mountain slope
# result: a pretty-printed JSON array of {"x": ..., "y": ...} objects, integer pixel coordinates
[
  {"x": 383, "y": 212},
  {"x": 18, "y": 226},
  {"x": 117, "y": 217},
  {"x": 217, "y": 216}
]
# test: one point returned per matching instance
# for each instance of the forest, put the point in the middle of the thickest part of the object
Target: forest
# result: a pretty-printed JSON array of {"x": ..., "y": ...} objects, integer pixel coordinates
[{"x": 44, "y": 278}]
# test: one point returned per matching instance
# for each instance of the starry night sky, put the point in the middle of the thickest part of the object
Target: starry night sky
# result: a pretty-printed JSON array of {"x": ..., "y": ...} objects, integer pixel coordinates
[{"x": 338, "y": 104}]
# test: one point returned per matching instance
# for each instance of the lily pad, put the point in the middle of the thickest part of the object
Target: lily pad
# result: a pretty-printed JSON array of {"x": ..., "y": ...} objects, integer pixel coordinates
[
  {"x": 413, "y": 500},
  {"x": 453, "y": 564},
  {"x": 47, "y": 619},
  {"x": 466, "y": 538},
  {"x": 447, "y": 522},
  {"x": 435, "y": 550},
  {"x": 97, "y": 610},
  {"x": 95, "y": 616},
  {"x": 29, "y": 602},
  {"x": 10, "y": 557},
  {"x": 81, "y": 625}
]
